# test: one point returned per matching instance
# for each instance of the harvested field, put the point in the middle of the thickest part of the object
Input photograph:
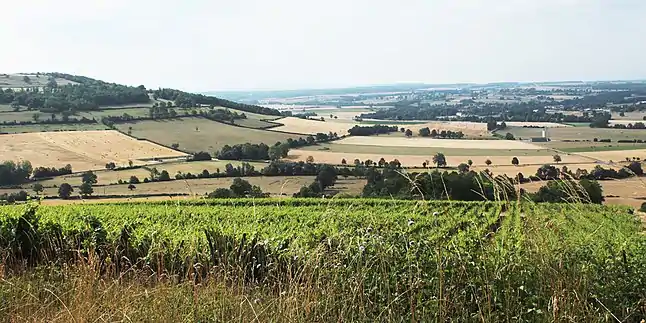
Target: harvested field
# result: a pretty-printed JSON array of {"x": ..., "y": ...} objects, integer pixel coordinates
[
  {"x": 331, "y": 157},
  {"x": 536, "y": 124},
  {"x": 629, "y": 188},
  {"x": 426, "y": 151},
  {"x": 635, "y": 115},
  {"x": 616, "y": 156},
  {"x": 83, "y": 150},
  {"x": 304, "y": 126},
  {"x": 52, "y": 128},
  {"x": 419, "y": 142},
  {"x": 586, "y": 146},
  {"x": 275, "y": 185},
  {"x": 578, "y": 133},
  {"x": 196, "y": 134}
]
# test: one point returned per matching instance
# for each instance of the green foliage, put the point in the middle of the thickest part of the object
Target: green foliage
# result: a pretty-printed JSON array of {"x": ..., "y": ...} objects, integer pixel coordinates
[
  {"x": 330, "y": 259},
  {"x": 89, "y": 177},
  {"x": 570, "y": 191},
  {"x": 439, "y": 160},
  {"x": 86, "y": 189},
  {"x": 65, "y": 191}
]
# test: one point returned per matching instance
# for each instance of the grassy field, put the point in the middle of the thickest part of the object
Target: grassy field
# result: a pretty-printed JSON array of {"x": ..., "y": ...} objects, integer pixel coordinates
[
  {"x": 21, "y": 116},
  {"x": 82, "y": 149},
  {"x": 323, "y": 260},
  {"x": 578, "y": 133},
  {"x": 426, "y": 151},
  {"x": 574, "y": 147},
  {"x": 198, "y": 134},
  {"x": 51, "y": 128},
  {"x": 17, "y": 81}
]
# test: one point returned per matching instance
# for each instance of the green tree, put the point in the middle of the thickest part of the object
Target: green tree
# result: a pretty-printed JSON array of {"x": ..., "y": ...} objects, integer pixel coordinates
[
  {"x": 164, "y": 176},
  {"x": 408, "y": 133},
  {"x": 509, "y": 136},
  {"x": 65, "y": 190},
  {"x": 134, "y": 180},
  {"x": 132, "y": 187},
  {"x": 310, "y": 160},
  {"x": 470, "y": 162},
  {"x": 86, "y": 189},
  {"x": 488, "y": 162},
  {"x": 221, "y": 193},
  {"x": 515, "y": 161},
  {"x": 89, "y": 177},
  {"x": 344, "y": 162},
  {"x": 439, "y": 160},
  {"x": 174, "y": 145},
  {"x": 240, "y": 187},
  {"x": 35, "y": 116},
  {"x": 38, "y": 188},
  {"x": 557, "y": 158},
  {"x": 463, "y": 168},
  {"x": 327, "y": 176}
]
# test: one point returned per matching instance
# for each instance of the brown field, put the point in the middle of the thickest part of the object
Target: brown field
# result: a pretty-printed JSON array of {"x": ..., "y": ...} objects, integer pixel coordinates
[
  {"x": 52, "y": 127},
  {"x": 616, "y": 155},
  {"x": 537, "y": 124},
  {"x": 275, "y": 185},
  {"x": 298, "y": 125},
  {"x": 417, "y": 160},
  {"x": 437, "y": 143},
  {"x": 635, "y": 115},
  {"x": 578, "y": 133},
  {"x": 199, "y": 134},
  {"x": 629, "y": 188},
  {"x": 84, "y": 150}
]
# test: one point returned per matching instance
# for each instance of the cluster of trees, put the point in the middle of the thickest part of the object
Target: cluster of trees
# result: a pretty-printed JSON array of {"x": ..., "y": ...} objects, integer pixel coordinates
[
  {"x": 570, "y": 191},
  {"x": 88, "y": 94},
  {"x": 239, "y": 188},
  {"x": 371, "y": 130},
  {"x": 436, "y": 185},
  {"x": 244, "y": 170},
  {"x": 326, "y": 177},
  {"x": 443, "y": 134},
  {"x": 188, "y": 100},
  {"x": 13, "y": 173},
  {"x": 40, "y": 172},
  {"x": 19, "y": 196},
  {"x": 279, "y": 150}
]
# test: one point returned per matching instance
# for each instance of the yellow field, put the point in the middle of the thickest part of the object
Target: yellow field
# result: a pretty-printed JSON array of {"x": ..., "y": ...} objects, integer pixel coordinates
[
  {"x": 304, "y": 126},
  {"x": 439, "y": 143},
  {"x": 615, "y": 155},
  {"x": 84, "y": 150},
  {"x": 416, "y": 161},
  {"x": 537, "y": 124}
]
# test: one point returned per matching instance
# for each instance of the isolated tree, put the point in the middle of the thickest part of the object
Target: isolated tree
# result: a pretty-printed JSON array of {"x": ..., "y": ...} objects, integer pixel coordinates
[
  {"x": 38, "y": 188},
  {"x": 89, "y": 177},
  {"x": 110, "y": 166},
  {"x": 65, "y": 190},
  {"x": 134, "y": 180},
  {"x": 382, "y": 162},
  {"x": 130, "y": 163},
  {"x": 470, "y": 162},
  {"x": 174, "y": 146},
  {"x": 26, "y": 79},
  {"x": 408, "y": 133},
  {"x": 357, "y": 162},
  {"x": 35, "y": 116},
  {"x": 86, "y": 189},
  {"x": 132, "y": 187},
  {"x": 15, "y": 106},
  {"x": 344, "y": 162},
  {"x": 509, "y": 136},
  {"x": 622, "y": 114},
  {"x": 310, "y": 160},
  {"x": 488, "y": 162},
  {"x": 557, "y": 158},
  {"x": 424, "y": 164},
  {"x": 402, "y": 130},
  {"x": 514, "y": 161},
  {"x": 240, "y": 187},
  {"x": 439, "y": 160},
  {"x": 463, "y": 168},
  {"x": 327, "y": 176},
  {"x": 164, "y": 176}
]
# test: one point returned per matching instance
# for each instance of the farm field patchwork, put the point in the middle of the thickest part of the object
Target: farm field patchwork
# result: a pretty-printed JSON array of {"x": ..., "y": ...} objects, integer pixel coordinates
[
  {"x": 84, "y": 150},
  {"x": 615, "y": 155},
  {"x": 419, "y": 142},
  {"x": 196, "y": 134},
  {"x": 589, "y": 146}
]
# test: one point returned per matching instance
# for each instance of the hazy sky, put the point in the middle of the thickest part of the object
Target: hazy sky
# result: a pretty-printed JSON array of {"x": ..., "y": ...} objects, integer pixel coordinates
[{"x": 201, "y": 45}]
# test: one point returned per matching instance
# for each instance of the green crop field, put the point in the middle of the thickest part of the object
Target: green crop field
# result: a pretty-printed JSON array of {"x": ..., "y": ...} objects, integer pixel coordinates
[
  {"x": 199, "y": 134},
  {"x": 321, "y": 261}
]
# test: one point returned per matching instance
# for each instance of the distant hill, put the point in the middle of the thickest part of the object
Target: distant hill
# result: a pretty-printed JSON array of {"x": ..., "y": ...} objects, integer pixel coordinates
[{"x": 58, "y": 92}]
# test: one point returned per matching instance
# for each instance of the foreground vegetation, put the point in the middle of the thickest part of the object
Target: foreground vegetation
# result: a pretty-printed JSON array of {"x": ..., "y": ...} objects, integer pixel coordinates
[{"x": 322, "y": 260}]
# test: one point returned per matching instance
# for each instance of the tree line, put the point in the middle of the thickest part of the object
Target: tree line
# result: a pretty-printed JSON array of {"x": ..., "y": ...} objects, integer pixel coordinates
[
  {"x": 249, "y": 151},
  {"x": 188, "y": 100},
  {"x": 371, "y": 130}
]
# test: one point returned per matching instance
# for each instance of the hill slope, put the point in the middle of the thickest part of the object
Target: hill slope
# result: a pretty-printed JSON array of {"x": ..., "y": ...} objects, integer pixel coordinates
[{"x": 65, "y": 92}]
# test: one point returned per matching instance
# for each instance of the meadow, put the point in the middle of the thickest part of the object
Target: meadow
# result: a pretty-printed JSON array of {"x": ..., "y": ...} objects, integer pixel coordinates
[
  {"x": 51, "y": 128},
  {"x": 320, "y": 261},
  {"x": 196, "y": 134},
  {"x": 577, "y": 133}
]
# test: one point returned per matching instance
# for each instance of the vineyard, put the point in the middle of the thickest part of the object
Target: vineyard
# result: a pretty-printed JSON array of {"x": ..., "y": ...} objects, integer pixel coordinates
[{"x": 322, "y": 260}]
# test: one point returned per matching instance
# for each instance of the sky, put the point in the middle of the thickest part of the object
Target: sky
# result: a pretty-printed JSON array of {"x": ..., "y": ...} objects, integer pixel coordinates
[{"x": 202, "y": 45}]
